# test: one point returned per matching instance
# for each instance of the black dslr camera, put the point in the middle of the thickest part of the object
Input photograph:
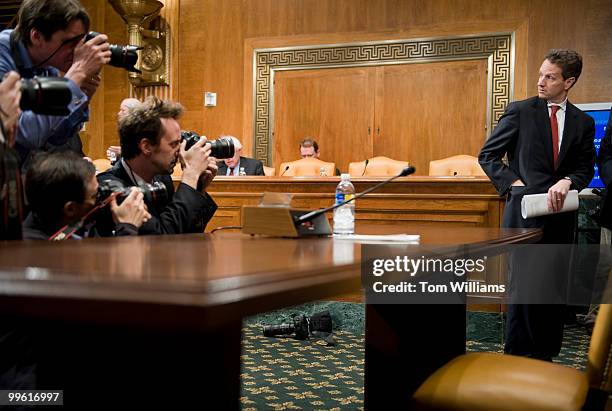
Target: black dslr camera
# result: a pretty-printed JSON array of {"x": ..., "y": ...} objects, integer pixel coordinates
[
  {"x": 46, "y": 95},
  {"x": 152, "y": 192},
  {"x": 121, "y": 56},
  {"x": 319, "y": 325},
  {"x": 220, "y": 149}
]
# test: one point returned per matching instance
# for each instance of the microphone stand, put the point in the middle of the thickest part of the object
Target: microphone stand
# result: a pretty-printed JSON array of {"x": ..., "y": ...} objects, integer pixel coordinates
[{"x": 314, "y": 214}]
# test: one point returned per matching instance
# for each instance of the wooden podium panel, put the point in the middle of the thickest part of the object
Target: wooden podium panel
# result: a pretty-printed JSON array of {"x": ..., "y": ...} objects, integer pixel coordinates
[{"x": 421, "y": 201}]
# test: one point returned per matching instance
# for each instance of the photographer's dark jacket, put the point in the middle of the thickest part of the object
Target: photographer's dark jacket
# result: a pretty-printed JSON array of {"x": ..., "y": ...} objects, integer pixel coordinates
[
  {"x": 38, "y": 131},
  {"x": 184, "y": 211}
]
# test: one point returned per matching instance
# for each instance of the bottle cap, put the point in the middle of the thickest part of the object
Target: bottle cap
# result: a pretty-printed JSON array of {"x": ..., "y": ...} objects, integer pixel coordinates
[{"x": 345, "y": 177}]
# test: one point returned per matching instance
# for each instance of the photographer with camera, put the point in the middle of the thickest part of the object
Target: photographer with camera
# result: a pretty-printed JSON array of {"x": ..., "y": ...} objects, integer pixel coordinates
[
  {"x": 150, "y": 138},
  {"x": 62, "y": 191},
  {"x": 49, "y": 38}
]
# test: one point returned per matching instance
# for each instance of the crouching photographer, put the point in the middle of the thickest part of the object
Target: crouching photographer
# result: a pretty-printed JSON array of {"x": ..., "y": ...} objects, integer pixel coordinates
[
  {"x": 63, "y": 196},
  {"x": 151, "y": 145}
]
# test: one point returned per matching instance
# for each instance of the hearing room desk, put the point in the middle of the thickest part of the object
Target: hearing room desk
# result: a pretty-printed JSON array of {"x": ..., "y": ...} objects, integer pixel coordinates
[
  {"x": 424, "y": 201},
  {"x": 132, "y": 323}
]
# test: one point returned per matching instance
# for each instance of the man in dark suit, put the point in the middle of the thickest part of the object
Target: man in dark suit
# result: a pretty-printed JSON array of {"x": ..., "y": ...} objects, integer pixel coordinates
[
  {"x": 549, "y": 144},
  {"x": 151, "y": 145},
  {"x": 239, "y": 165}
]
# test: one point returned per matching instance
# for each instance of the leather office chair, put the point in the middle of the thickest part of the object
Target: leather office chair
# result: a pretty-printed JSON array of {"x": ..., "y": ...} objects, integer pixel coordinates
[
  {"x": 306, "y": 167},
  {"x": 269, "y": 171},
  {"x": 496, "y": 382},
  {"x": 102, "y": 164},
  {"x": 460, "y": 165},
  {"x": 377, "y": 166}
]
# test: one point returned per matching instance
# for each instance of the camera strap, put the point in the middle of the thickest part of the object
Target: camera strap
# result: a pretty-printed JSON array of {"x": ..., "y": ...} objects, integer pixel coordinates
[
  {"x": 10, "y": 194},
  {"x": 38, "y": 69},
  {"x": 68, "y": 230}
]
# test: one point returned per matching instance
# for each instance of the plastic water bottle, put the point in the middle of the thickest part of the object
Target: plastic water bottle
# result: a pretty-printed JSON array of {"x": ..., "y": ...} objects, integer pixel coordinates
[
  {"x": 344, "y": 217},
  {"x": 241, "y": 172},
  {"x": 323, "y": 172}
]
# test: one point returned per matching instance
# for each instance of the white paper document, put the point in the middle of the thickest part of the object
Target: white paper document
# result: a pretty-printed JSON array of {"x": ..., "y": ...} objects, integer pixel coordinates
[
  {"x": 390, "y": 238},
  {"x": 534, "y": 205}
]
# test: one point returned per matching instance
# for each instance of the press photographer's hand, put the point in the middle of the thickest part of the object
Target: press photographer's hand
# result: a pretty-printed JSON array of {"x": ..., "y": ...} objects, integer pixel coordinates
[
  {"x": 10, "y": 96},
  {"x": 195, "y": 161},
  {"x": 211, "y": 171},
  {"x": 132, "y": 210},
  {"x": 89, "y": 58}
]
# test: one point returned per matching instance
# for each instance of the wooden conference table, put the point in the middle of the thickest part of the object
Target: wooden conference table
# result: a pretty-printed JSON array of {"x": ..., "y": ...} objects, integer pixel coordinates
[{"x": 150, "y": 321}]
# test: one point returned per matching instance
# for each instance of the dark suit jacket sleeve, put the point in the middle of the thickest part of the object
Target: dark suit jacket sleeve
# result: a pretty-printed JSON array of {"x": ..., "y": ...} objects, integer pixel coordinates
[
  {"x": 604, "y": 160},
  {"x": 503, "y": 140},
  {"x": 188, "y": 212}
]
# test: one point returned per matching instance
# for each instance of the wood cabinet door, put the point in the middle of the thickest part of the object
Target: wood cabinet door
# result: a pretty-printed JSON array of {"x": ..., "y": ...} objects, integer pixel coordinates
[
  {"x": 333, "y": 106},
  {"x": 430, "y": 111},
  {"x": 411, "y": 112}
]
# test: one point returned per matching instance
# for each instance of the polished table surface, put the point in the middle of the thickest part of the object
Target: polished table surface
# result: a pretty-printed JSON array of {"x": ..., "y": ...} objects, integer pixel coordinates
[
  {"x": 163, "y": 315},
  {"x": 202, "y": 271}
]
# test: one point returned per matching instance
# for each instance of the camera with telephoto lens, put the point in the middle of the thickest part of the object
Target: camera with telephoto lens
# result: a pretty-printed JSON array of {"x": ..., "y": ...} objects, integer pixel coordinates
[
  {"x": 121, "y": 56},
  {"x": 152, "y": 192},
  {"x": 220, "y": 148},
  {"x": 46, "y": 95},
  {"x": 318, "y": 325}
]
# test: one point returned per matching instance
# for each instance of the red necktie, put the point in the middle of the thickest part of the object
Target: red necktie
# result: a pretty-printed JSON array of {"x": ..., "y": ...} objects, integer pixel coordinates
[{"x": 554, "y": 127}]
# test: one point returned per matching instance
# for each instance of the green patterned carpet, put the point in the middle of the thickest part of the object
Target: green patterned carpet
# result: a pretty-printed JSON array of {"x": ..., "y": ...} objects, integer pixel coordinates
[{"x": 286, "y": 374}]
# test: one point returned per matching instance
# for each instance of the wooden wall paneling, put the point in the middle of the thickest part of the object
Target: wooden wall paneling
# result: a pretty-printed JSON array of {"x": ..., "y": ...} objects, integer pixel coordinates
[
  {"x": 585, "y": 28},
  {"x": 93, "y": 133},
  {"x": 333, "y": 106},
  {"x": 217, "y": 38},
  {"x": 594, "y": 83},
  {"x": 430, "y": 111},
  {"x": 211, "y": 60}
]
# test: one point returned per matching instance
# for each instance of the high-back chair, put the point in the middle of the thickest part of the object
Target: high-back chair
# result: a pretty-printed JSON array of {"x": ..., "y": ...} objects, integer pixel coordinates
[
  {"x": 460, "y": 165},
  {"x": 269, "y": 171},
  {"x": 306, "y": 167},
  {"x": 377, "y": 166},
  {"x": 497, "y": 382}
]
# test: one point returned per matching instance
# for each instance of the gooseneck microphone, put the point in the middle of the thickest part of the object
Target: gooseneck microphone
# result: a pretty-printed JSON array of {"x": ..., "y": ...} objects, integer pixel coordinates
[
  {"x": 284, "y": 171},
  {"x": 314, "y": 214},
  {"x": 365, "y": 166}
]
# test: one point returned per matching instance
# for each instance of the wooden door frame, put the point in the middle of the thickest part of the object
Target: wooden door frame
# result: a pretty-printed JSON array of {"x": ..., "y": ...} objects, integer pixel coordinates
[{"x": 497, "y": 48}]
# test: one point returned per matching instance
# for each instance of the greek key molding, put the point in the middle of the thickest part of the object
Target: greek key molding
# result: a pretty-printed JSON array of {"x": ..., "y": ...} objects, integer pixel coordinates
[{"x": 498, "y": 48}]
